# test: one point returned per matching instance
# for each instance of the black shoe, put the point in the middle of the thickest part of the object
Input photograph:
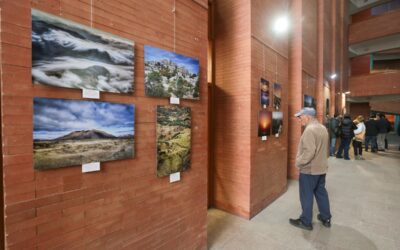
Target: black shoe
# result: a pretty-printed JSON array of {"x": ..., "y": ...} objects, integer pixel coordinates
[
  {"x": 300, "y": 224},
  {"x": 347, "y": 158},
  {"x": 326, "y": 223},
  {"x": 339, "y": 157}
]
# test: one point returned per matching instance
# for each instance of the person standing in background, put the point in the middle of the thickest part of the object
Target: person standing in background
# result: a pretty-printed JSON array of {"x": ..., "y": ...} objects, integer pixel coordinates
[
  {"x": 359, "y": 136},
  {"x": 371, "y": 131},
  {"x": 333, "y": 129},
  {"x": 347, "y": 133},
  {"x": 382, "y": 131}
]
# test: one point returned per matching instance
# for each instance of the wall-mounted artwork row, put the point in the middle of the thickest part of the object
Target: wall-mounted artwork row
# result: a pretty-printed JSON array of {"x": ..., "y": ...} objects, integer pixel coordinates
[
  {"x": 71, "y": 55},
  {"x": 277, "y": 123},
  {"x": 277, "y": 96},
  {"x": 264, "y": 123},
  {"x": 73, "y": 132},
  {"x": 173, "y": 139},
  {"x": 309, "y": 102},
  {"x": 264, "y": 87},
  {"x": 168, "y": 74}
]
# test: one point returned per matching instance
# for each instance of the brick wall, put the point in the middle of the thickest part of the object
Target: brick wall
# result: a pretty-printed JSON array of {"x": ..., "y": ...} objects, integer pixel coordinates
[
  {"x": 232, "y": 107},
  {"x": 269, "y": 53},
  {"x": 360, "y": 65},
  {"x": 375, "y": 27},
  {"x": 124, "y": 205}
]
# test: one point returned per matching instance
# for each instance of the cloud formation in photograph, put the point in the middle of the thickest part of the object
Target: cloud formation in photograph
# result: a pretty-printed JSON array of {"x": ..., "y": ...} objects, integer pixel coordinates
[{"x": 54, "y": 118}]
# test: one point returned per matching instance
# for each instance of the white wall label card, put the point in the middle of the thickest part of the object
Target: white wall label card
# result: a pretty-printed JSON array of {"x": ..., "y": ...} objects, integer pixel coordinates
[
  {"x": 264, "y": 106},
  {"x": 175, "y": 177},
  {"x": 263, "y": 138},
  {"x": 89, "y": 93},
  {"x": 277, "y": 135},
  {"x": 173, "y": 100},
  {"x": 91, "y": 167}
]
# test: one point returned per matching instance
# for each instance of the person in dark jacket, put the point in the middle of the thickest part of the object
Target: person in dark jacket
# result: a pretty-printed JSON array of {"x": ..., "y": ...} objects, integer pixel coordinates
[
  {"x": 382, "y": 131},
  {"x": 371, "y": 134},
  {"x": 346, "y": 128},
  {"x": 333, "y": 129}
]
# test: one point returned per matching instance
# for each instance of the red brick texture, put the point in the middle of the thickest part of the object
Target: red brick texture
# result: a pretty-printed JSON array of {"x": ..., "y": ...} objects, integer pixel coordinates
[
  {"x": 382, "y": 83},
  {"x": 375, "y": 27},
  {"x": 124, "y": 206},
  {"x": 360, "y": 65},
  {"x": 249, "y": 173},
  {"x": 269, "y": 53}
]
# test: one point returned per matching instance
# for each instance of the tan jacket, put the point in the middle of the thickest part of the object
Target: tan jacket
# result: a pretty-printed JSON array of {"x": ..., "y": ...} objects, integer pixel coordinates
[{"x": 312, "y": 155}]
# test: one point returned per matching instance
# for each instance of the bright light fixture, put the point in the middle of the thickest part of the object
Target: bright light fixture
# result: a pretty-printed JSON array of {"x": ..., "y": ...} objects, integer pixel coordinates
[
  {"x": 281, "y": 25},
  {"x": 333, "y": 76},
  {"x": 347, "y": 92}
]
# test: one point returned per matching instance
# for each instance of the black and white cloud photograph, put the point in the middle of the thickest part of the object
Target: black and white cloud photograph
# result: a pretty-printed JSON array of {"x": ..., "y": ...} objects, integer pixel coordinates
[{"x": 71, "y": 55}]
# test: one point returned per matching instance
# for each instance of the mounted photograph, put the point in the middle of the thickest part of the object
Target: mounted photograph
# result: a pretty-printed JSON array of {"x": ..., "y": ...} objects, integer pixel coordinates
[
  {"x": 173, "y": 139},
  {"x": 277, "y": 96},
  {"x": 277, "y": 123},
  {"x": 264, "y": 88},
  {"x": 168, "y": 74},
  {"x": 70, "y": 55},
  {"x": 264, "y": 123},
  {"x": 74, "y": 132}
]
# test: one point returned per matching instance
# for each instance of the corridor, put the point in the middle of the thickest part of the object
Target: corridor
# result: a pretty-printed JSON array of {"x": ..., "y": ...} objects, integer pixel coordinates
[{"x": 365, "y": 204}]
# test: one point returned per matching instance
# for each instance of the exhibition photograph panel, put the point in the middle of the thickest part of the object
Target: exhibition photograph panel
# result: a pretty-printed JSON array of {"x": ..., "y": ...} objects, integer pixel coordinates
[
  {"x": 309, "y": 102},
  {"x": 168, "y": 74},
  {"x": 277, "y": 123},
  {"x": 71, "y": 55},
  {"x": 277, "y": 96},
  {"x": 264, "y": 93},
  {"x": 74, "y": 132},
  {"x": 264, "y": 123},
  {"x": 173, "y": 139}
]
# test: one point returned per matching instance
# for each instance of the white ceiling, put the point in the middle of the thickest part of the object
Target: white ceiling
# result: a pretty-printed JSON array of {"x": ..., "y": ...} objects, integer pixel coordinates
[{"x": 375, "y": 45}]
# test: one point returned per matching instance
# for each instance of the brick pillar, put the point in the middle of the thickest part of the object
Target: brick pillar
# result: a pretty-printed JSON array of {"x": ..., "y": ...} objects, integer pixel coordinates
[
  {"x": 332, "y": 83},
  {"x": 319, "y": 88},
  {"x": 295, "y": 85}
]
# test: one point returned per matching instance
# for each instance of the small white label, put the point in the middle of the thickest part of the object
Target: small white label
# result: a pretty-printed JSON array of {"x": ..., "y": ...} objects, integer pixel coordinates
[
  {"x": 277, "y": 135},
  {"x": 263, "y": 138},
  {"x": 89, "y": 93},
  {"x": 175, "y": 177},
  {"x": 91, "y": 167},
  {"x": 173, "y": 100},
  {"x": 264, "y": 106}
]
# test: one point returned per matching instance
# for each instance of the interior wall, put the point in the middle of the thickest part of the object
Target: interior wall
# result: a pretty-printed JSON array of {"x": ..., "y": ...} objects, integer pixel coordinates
[
  {"x": 124, "y": 205},
  {"x": 232, "y": 106},
  {"x": 269, "y": 53}
]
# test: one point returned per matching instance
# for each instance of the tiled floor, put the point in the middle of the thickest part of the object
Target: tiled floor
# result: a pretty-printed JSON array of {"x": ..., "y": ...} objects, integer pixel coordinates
[{"x": 365, "y": 204}]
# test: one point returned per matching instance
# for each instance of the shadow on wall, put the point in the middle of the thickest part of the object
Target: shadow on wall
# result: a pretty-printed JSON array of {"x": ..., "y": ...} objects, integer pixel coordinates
[{"x": 341, "y": 237}]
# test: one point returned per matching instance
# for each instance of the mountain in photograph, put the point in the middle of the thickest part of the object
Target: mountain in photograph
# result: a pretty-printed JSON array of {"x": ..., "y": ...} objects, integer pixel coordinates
[
  {"x": 87, "y": 134},
  {"x": 74, "y": 132},
  {"x": 169, "y": 74},
  {"x": 71, "y": 55}
]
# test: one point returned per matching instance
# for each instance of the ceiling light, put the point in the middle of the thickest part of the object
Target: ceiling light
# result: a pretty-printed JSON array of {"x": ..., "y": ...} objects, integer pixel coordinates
[
  {"x": 333, "y": 76},
  {"x": 281, "y": 24},
  {"x": 347, "y": 93}
]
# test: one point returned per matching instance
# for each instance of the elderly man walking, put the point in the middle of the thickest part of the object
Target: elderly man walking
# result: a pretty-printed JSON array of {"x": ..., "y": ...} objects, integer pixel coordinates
[{"x": 312, "y": 160}]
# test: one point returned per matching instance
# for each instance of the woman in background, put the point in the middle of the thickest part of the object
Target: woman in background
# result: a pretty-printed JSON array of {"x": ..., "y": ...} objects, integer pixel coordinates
[{"x": 359, "y": 136}]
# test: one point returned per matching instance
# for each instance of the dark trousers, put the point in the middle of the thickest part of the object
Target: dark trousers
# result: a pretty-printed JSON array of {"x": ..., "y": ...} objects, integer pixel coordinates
[
  {"x": 310, "y": 186},
  {"x": 357, "y": 146},
  {"x": 374, "y": 143},
  {"x": 344, "y": 147}
]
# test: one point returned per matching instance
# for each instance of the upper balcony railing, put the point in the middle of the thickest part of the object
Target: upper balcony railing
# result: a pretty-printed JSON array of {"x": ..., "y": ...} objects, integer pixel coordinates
[{"x": 375, "y": 11}]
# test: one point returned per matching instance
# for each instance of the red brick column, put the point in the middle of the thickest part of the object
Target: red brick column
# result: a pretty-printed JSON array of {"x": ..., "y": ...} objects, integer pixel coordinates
[
  {"x": 295, "y": 85},
  {"x": 319, "y": 88}
]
